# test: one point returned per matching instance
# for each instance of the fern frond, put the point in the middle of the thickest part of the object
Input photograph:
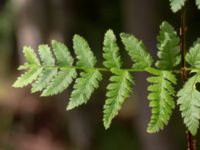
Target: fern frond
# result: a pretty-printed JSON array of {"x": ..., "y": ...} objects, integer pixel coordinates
[
  {"x": 117, "y": 91},
  {"x": 161, "y": 98},
  {"x": 83, "y": 52},
  {"x": 189, "y": 101},
  {"x": 136, "y": 51},
  {"x": 168, "y": 45},
  {"x": 198, "y": 3},
  {"x": 193, "y": 56},
  {"x": 84, "y": 87},
  {"x": 111, "y": 51},
  {"x": 176, "y": 5},
  {"x": 60, "y": 82}
]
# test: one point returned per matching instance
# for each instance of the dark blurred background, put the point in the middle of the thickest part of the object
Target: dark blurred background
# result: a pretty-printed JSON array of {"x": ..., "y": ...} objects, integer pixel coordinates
[{"x": 29, "y": 122}]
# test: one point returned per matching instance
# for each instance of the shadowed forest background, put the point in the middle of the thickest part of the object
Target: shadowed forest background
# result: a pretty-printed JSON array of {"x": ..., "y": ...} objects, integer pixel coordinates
[{"x": 29, "y": 122}]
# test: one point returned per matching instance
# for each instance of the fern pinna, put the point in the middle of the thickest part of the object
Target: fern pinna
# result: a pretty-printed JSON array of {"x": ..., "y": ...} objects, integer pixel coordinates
[{"x": 56, "y": 69}]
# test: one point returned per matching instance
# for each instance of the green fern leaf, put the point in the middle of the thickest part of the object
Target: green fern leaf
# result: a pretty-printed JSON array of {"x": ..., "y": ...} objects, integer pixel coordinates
[
  {"x": 117, "y": 91},
  {"x": 61, "y": 81},
  {"x": 46, "y": 55},
  {"x": 83, "y": 52},
  {"x": 30, "y": 56},
  {"x": 161, "y": 98},
  {"x": 62, "y": 54},
  {"x": 168, "y": 45},
  {"x": 136, "y": 51},
  {"x": 43, "y": 80},
  {"x": 198, "y": 3},
  {"x": 111, "y": 51},
  {"x": 176, "y": 5},
  {"x": 84, "y": 87},
  {"x": 193, "y": 56},
  {"x": 27, "y": 78},
  {"x": 189, "y": 101},
  {"x": 49, "y": 70}
]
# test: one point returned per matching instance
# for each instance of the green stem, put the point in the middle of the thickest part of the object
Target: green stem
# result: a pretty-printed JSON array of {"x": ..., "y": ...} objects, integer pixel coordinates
[{"x": 109, "y": 70}]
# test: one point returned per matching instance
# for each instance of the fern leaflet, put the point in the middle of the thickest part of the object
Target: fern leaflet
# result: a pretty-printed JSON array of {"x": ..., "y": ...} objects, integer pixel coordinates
[
  {"x": 66, "y": 75},
  {"x": 83, "y": 52},
  {"x": 84, "y": 87},
  {"x": 33, "y": 63},
  {"x": 117, "y": 91},
  {"x": 27, "y": 78},
  {"x": 189, "y": 101},
  {"x": 176, "y": 5},
  {"x": 89, "y": 79},
  {"x": 62, "y": 54},
  {"x": 111, "y": 51},
  {"x": 136, "y": 51},
  {"x": 161, "y": 98},
  {"x": 193, "y": 56},
  {"x": 46, "y": 55},
  {"x": 61, "y": 81},
  {"x": 30, "y": 56},
  {"x": 45, "y": 77},
  {"x": 48, "y": 72},
  {"x": 168, "y": 45}
]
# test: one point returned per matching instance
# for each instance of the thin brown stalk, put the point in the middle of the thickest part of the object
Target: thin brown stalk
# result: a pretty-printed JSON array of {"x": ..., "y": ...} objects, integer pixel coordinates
[{"x": 190, "y": 140}]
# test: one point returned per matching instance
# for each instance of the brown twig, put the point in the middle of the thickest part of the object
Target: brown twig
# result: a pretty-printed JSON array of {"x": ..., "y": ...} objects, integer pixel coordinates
[{"x": 183, "y": 29}]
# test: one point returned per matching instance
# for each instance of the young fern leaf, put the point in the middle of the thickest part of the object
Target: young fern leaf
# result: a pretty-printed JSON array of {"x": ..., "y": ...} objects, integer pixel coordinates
[
  {"x": 117, "y": 91},
  {"x": 136, "y": 51},
  {"x": 89, "y": 79},
  {"x": 189, "y": 101},
  {"x": 161, "y": 98},
  {"x": 193, "y": 56},
  {"x": 176, "y": 5},
  {"x": 198, "y": 3},
  {"x": 66, "y": 75},
  {"x": 168, "y": 45},
  {"x": 111, "y": 51}
]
